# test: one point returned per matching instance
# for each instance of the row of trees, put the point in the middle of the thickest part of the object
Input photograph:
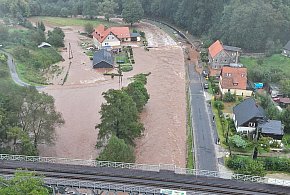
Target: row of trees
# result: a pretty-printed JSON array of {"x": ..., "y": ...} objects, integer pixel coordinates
[
  {"x": 120, "y": 120},
  {"x": 236, "y": 22},
  {"x": 131, "y": 10}
]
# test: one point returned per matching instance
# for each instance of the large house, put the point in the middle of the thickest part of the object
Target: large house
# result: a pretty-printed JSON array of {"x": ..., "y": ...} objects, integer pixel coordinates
[
  {"x": 234, "y": 80},
  {"x": 286, "y": 50},
  {"x": 103, "y": 59},
  {"x": 222, "y": 55},
  {"x": 249, "y": 117},
  {"x": 112, "y": 37}
]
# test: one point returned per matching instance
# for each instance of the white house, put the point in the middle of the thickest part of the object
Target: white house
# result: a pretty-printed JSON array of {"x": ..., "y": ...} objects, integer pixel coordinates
[
  {"x": 234, "y": 80},
  {"x": 246, "y": 116}
]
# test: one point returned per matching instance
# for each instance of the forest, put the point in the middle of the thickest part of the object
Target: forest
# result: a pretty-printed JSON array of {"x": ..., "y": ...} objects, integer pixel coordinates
[{"x": 255, "y": 26}]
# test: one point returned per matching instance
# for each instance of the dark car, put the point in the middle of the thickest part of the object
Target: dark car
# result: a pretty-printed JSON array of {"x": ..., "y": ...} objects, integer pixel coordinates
[{"x": 205, "y": 85}]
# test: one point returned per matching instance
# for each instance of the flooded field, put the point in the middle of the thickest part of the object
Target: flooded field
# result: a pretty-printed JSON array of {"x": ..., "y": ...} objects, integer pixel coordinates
[{"x": 80, "y": 98}]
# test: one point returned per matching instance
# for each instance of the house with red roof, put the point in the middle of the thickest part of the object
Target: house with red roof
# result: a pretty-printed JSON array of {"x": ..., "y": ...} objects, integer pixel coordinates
[
  {"x": 220, "y": 55},
  {"x": 234, "y": 80},
  {"x": 111, "y": 37}
]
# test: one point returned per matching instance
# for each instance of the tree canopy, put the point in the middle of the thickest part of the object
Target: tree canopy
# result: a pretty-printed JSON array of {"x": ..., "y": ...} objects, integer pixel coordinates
[
  {"x": 132, "y": 11},
  {"x": 23, "y": 183},
  {"x": 119, "y": 117},
  {"x": 117, "y": 151}
]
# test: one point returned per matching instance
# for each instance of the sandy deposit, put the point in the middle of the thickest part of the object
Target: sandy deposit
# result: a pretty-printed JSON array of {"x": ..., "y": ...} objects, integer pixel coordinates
[{"x": 80, "y": 98}]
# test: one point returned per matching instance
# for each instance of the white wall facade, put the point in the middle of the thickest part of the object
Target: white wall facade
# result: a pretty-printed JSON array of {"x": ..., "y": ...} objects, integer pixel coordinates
[
  {"x": 239, "y": 92},
  {"x": 244, "y": 130}
]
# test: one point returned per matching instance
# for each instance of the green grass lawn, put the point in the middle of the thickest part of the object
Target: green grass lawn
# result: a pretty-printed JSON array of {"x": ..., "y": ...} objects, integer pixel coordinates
[
  {"x": 58, "y": 21},
  {"x": 34, "y": 76},
  {"x": 275, "y": 61}
]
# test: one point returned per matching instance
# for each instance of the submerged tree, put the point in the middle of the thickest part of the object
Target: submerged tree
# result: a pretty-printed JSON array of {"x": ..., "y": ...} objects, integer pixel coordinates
[
  {"x": 119, "y": 117},
  {"x": 117, "y": 151}
]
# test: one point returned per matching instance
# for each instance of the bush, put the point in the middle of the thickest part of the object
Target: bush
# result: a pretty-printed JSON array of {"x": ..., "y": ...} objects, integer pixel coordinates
[
  {"x": 219, "y": 105},
  {"x": 142, "y": 34},
  {"x": 246, "y": 166},
  {"x": 238, "y": 141},
  {"x": 126, "y": 68},
  {"x": 276, "y": 164},
  {"x": 228, "y": 97}
]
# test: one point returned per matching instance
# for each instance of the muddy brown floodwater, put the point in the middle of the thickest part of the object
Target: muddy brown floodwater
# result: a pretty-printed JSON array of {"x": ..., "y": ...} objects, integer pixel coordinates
[{"x": 80, "y": 98}]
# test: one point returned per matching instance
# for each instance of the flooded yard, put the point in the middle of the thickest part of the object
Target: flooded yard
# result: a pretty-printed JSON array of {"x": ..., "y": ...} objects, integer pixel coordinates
[{"x": 80, "y": 98}]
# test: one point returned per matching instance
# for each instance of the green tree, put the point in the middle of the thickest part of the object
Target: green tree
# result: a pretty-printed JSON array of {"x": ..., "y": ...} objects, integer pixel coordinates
[
  {"x": 139, "y": 94},
  {"x": 4, "y": 34},
  {"x": 90, "y": 8},
  {"x": 228, "y": 97},
  {"x": 89, "y": 28},
  {"x": 23, "y": 183},
  {"x": 41, "y": 26},
  {"x": 119, "y": 117},
  {"x": 38, "y": 116},
  {"x": 132, "y": 11},
  {"x": 285, "y": 117},
  {"x": 56, "y": 37},
  {"x": 117, "y": 151},
  {"x": 107, "y": 8}
]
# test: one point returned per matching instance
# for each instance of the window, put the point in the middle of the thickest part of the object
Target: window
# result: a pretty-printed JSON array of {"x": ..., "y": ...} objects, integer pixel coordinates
[
  {"x": 235, "y": 84},
  {"x": 113, "y": 38},
  {"x": 228, "y": 74},
  {"x": 106, "y": 43},
  {"x": 243, "y": 75},
  {"x": 251, "y": 124}
]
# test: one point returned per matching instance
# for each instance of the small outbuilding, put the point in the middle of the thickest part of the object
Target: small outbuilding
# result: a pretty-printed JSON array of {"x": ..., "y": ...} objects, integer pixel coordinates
[
  {"x": 103, "y": 59},
  {"x": 135, "y": 37},
  {"x": 44, "y": 45},
  {"x": 271, "y": 128}
]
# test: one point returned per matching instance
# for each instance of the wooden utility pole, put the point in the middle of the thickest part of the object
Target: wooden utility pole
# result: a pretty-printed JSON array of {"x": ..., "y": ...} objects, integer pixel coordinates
[
  {"x": 120, "y": 75},
  {"x": 70, "y": 54}
]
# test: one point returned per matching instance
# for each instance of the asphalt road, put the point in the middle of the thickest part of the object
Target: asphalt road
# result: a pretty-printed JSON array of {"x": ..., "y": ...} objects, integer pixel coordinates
[
  {"x": 13, "y": 72},
  {"x": 205, "y": 156}
]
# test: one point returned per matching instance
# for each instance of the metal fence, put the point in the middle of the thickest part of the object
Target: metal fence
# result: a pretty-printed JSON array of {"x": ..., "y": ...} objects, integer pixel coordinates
[
  {"x": 145, "y": 167},
  {"x": 103, "y": 186}
]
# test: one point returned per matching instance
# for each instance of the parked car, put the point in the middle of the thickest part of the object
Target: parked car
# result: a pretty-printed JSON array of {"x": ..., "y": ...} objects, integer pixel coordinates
[
  {"x": 205, "y": 73},
  {"x": 205, "y": 85}
]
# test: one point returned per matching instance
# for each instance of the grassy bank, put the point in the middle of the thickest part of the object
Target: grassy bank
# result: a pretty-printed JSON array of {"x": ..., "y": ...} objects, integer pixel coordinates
[
  {"x": 276, "y": 61},
  {"x": 32, "y": 68},
  {"x": 58, "y": 21},
  {"x": 189, "y": 141}
]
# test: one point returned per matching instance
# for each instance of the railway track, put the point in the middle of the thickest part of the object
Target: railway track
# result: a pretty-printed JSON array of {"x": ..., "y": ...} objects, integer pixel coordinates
[{"x": 162, "y": 179}]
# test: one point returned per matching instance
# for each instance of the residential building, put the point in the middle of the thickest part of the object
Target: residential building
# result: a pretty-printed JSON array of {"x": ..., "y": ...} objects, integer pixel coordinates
[
  {"x": 113, "y": 37},
  {"x": 103, "y": 37},
  {"x": 234, "y": 80},
  {"x": 250, "y": 118},
  {"x": 271, "y": 128},
  {"x": 246, "y": 116},
  {"x": 103, "y": 59},
  {"x": 222, "y": 55},
  {"x": 286, "y": 50}
]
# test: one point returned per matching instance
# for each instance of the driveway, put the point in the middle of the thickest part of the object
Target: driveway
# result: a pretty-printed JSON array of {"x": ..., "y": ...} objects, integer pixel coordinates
[{"x": 203, "y": 133}]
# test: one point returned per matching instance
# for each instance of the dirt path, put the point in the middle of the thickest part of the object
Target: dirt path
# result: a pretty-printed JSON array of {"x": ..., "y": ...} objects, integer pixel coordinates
[{"x": 80, "y": 98}]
